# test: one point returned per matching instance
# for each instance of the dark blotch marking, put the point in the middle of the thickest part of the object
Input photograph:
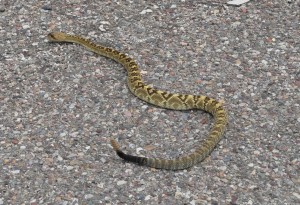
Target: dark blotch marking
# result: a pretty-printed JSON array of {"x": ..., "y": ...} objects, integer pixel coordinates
[
  {"x": 133, "y": 68},
  {"x": 183, "y": 97},
  {"x": 140, "y": 85},
  {"x": 93, "y": 44},
  {"x": 134, "y": 74},
  {"x": 151, "y": 91},
  {"x": 128, "y": 60},
  {"x": 132, "y": 80},
  {"x": 196, "y": 98},
  {"x": 206, "y": 100},
  {"x": 116, "y": 52},
  {"x": 100, "y": 47},
  {"x": 219, "y": 109},
  {"x": 108, "y": 50},
  {"x": 213, "y": 103},
  {"x": 122, "y": 56},
  {"x": 166, "y": 95},
  {"x": 132, "y": 64}
]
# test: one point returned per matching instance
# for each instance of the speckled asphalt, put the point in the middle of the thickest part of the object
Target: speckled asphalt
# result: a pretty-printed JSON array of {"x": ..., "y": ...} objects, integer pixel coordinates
[{"x": 60, "y": 104}]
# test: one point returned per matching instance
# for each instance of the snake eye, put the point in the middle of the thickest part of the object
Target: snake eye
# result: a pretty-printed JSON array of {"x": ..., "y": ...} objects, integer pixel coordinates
[{"x": 50, "y": 35}]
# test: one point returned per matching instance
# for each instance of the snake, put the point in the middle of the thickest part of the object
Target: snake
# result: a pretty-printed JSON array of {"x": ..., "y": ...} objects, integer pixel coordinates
[{"x": 159, "y": 98}]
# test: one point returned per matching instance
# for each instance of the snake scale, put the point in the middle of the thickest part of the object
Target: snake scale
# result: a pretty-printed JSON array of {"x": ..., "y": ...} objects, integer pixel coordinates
[{"x": 162, "y": 99}]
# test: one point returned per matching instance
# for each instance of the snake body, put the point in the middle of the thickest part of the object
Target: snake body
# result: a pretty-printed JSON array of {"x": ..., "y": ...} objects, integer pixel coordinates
[{"x": 162, "y": 99}]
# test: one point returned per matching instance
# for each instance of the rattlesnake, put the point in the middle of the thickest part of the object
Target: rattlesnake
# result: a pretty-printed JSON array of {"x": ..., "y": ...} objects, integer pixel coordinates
[{"x": 162, "y": 99}]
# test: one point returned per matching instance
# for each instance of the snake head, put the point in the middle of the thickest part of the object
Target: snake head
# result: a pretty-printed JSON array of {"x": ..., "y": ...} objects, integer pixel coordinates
[{"x": 57, "y": 37}]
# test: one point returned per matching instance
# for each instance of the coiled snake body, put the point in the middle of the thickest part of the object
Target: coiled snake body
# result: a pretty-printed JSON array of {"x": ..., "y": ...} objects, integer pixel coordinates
[{"x": 162, "y": 99}]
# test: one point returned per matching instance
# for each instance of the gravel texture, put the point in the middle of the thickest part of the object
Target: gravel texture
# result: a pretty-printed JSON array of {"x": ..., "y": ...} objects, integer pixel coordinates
[{"x": 60, "y": 104}]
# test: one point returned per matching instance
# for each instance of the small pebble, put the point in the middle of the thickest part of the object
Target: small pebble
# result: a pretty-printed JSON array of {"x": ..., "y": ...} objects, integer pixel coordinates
[
  {"x": 146, "y": 11},
  {"x": 88, "y": 196},
  {"x": 15, "y": 171},
  {"x": 47, "y": 8},
  {"x": 121, "y": 182}
]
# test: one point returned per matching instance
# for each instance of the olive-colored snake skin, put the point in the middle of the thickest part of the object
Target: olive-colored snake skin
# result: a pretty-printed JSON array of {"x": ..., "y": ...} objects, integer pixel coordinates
[{"x": 162, "y": 99}]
